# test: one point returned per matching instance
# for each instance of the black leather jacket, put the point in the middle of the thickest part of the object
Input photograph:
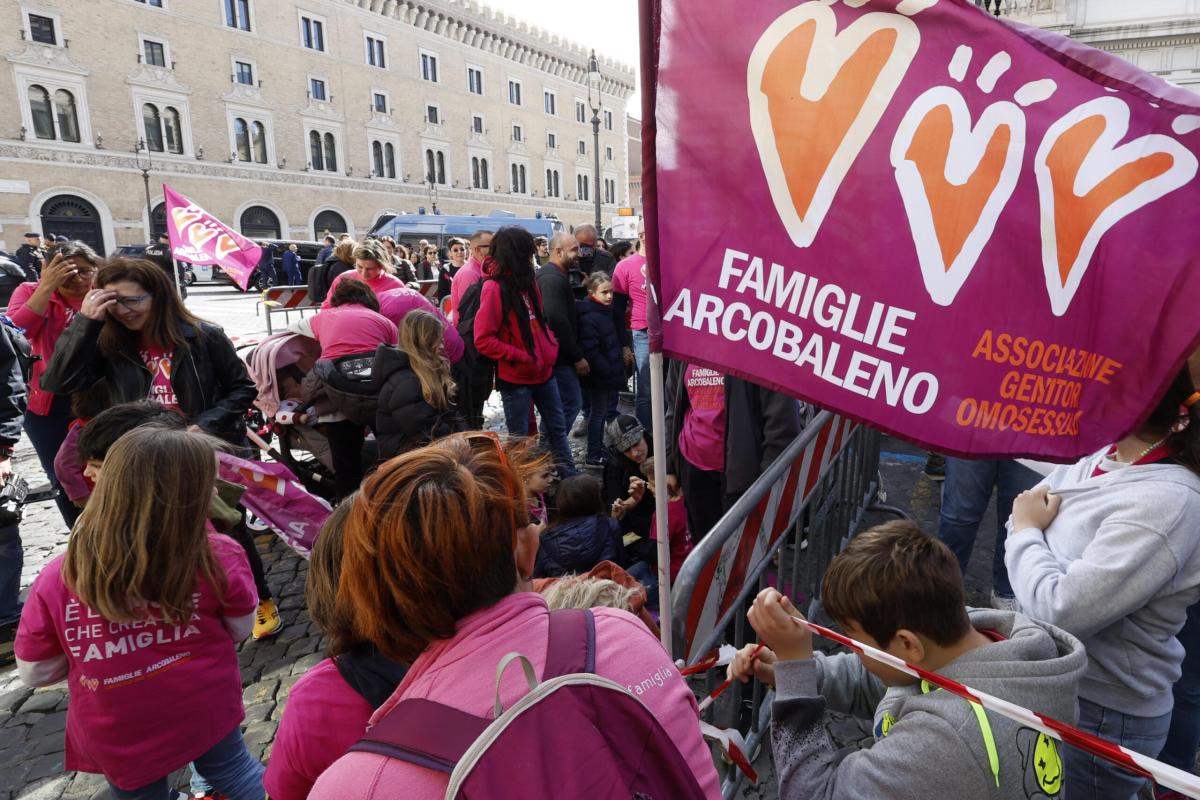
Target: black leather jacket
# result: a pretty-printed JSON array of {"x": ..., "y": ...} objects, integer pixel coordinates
[
  {"x": 12, "y": 390},
  {"x": 210, "y": 381}
]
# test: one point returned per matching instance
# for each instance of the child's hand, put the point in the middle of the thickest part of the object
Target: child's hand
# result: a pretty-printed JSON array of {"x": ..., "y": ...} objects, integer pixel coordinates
[
  {"x": 637, "y": 490},
  {"x": 771, "y": 616},
  {"x": 618, "y": 509},
  {"x": 1035, "y": 508},
  {"x": 744, "y": 666}
]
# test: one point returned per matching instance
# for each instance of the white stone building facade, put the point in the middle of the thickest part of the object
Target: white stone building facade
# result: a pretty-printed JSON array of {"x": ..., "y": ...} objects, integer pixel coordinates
[{"x": 288, "y": 118}]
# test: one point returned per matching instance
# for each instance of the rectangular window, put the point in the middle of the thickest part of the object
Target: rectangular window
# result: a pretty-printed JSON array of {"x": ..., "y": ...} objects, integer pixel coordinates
[
  {"x": 429, "y": 67},
  {"x": 375, "y": 52},
  {"x": 514, "y": 92},
  {"x": 316, "y": 89},
  {"x": 379, "y": 102},
  {"x": 155, "y": 3},
  {"x": 237, "y": 14},
  {"x": 608, "y": 154},
  {"x": 474, "y": 80},
  {"x": 580, "y": 111},
  {"x": 583, "y": 147},
  {"x": 550, "y": 102},
  {"x": 154, "y": 52},
  {"x": 477, "y": 124},
  {"x": 243, "y": 73},
  {"x": 551, "y": 141},
  {"x": 312, "y": 33},
  {"x": 432, "y": 116},
  {"x": 517, "y": 133},
  {"x": 41, "y": 29},
  {"x": 608, "y": 121}
]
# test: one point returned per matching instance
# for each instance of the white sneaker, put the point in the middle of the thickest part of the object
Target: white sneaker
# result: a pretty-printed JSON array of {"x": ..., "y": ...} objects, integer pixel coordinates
[{"x": 1003, "y": 603}]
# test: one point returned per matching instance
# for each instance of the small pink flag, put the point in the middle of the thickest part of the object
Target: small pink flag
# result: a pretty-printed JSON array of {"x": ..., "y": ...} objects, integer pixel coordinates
[{"x": 200, "y": 238}]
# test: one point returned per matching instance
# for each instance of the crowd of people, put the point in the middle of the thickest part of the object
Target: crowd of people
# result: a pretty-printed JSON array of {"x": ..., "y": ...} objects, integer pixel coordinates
[{"x": 452, "y": 546}]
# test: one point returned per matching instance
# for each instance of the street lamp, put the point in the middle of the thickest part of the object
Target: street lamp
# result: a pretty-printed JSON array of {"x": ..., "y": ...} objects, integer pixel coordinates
[
  {"x": 138, "y": 149},
  {"x": 593, "y": 84},
  {"x": 432, "y": 184}
]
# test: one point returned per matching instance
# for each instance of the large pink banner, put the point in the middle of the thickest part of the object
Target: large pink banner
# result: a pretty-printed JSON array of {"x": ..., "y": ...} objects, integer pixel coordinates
[
  {"x": 977, "y": 235},
  {"x": 200, "y": 238}
]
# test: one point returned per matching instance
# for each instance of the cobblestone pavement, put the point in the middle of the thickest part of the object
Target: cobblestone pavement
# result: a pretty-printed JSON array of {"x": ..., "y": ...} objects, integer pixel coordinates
[{"x": 32, "y": 721}]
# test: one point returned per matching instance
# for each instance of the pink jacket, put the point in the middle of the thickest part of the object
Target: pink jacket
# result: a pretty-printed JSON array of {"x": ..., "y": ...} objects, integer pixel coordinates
[
  {"x": 460, "y": 673},
  {"x": 468, "y": 274},
  {"x": 43, "y": 332}
]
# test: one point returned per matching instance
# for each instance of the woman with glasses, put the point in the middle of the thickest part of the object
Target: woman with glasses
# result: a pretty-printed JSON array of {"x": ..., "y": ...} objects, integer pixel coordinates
[
  {"x": 458, "y": 257},
  {"x": 133, "y": 332},
  {"x": 45, "y": 309},
  {"x": 455, "y": 603},
  {"x": 429, "y": 265},
  {"x": 372, "y": 266}
]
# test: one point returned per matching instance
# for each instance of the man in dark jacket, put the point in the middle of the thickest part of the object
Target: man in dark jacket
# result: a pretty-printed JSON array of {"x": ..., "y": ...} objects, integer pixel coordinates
[
  {"x": 722, "y": 432},
  {"x": 591, "y": 258},
  {"x": 327, "y": 250},
  {"x": 559, "y": 304},
  {"x": 31, "y": 257},
  {"x": 12, "y": 410}
]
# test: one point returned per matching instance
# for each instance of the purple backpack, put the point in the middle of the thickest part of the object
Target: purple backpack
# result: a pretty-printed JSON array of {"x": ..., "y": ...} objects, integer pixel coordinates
[{"x": 574, "y": 735}]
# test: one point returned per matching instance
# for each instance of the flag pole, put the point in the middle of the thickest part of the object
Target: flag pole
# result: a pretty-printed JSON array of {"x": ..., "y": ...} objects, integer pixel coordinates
[{"x": 658, "y": 427}]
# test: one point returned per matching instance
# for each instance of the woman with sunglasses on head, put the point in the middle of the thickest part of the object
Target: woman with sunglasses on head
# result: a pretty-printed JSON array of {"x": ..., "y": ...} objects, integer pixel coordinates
[
  {"x": 134, "y": 332},
  {"x": 437, "y": 555},
  {"x": 372, "y": 266},
  {"x": 45, "y": 309}
]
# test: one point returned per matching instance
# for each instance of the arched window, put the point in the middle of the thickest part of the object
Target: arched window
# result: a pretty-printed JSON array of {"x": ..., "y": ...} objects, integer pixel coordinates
[
  {"x": 328, "y": 222},
  {"x": 430, "y": 173},
  {"x": 172, "y": 130},
  {"x": 260, "y": 143},
  {"x": 258, "y": 222},
  {"x": 241, "y": 137},
  {"x": 330, "y": 153},
  {"x": 441, "y": 167},
  {"x": 512, "y": 185},
  {"x": 475, "y": 184},
  {"x": 152, "y": 124},
  {"x": 483, "y": 173},
  {"x": 158, "y": 220},
  {"x": 549, "y": 184},
  {"x": 314, "y": 147},
  {"x": 377, "y": 158},
  {"x": 43, "y": 116},
  {"x": 75, "y": 218},
  {"x": 68, "y": 120},
  {"x": 521, "y": 183},
  {"x": 389, "y": 159},
  {"x": 557, "y": 191}
]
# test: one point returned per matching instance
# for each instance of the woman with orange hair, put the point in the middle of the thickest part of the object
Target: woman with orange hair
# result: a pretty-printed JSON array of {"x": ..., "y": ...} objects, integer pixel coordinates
[{"x": 436, "y": 568}]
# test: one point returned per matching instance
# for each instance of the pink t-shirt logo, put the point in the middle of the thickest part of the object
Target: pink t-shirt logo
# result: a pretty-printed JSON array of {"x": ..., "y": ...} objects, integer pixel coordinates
[{"x": 161, "y": 390}]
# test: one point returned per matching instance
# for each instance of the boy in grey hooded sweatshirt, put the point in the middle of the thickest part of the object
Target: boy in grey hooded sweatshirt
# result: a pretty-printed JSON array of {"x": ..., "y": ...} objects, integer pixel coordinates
[{"x": 900, "y": 590}]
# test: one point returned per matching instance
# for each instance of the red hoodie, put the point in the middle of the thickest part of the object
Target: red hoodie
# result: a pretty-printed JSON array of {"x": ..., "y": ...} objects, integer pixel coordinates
[{"x": 501, "y": 340}]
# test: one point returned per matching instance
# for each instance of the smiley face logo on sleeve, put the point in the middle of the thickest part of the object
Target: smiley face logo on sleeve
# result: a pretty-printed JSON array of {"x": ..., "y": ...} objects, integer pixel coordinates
[{"x": 1041, "y": 763}]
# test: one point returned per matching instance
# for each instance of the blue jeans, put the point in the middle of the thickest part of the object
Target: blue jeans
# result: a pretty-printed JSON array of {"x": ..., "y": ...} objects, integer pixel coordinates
[
  {"x": 965, "y": 495},
  {"x": 1183, "y": 740},
  {"x": 516, "y": 400},
  {"x": 227, "y": 766},
  {"x": 604, "y": 407},
  {"x": 1091, "y": 778},
  {"x": 11, "y": 559},
  {"x": 641, "y": 359},
  {"x": 46, "y": 433},
  {"x": 570, "y": 393}
]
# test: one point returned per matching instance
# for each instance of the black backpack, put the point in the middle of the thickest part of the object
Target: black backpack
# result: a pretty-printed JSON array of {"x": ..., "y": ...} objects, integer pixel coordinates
[
  {"x": 468, "y": 307},
  {"x": 318, "y": 283}
]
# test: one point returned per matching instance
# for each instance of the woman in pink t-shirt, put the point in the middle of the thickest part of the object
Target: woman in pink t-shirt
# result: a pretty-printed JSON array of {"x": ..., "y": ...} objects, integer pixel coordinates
[
  {"x": 372, "y": 266},
  {"x": 457, "y": 602},
  {"x": 352, "y": 323},
  {"x": 141, "y": 616}
]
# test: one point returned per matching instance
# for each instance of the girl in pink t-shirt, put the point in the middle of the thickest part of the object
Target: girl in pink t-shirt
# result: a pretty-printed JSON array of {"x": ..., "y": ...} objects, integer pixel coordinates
[
  {"x": 352, "y": 324},
  {"x": 141, "y": 616}
]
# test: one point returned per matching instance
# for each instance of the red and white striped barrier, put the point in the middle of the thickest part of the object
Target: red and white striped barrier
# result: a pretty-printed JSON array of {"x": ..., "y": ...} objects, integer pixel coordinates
[
  {"x": 724, "y": 576},
  {"x": 287, "y": 296},
  {"x": 1160, "y": 773}
]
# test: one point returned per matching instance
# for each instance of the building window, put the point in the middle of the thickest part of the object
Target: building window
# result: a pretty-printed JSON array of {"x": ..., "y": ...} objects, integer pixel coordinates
[
  {"x": 552, "y": 187},
  {"x": 383, "y": 156},
  {"x": 608, "y": 154},
  {"x": 581, "y": 187},
  {"x": 475, "y": 80},
  {"x": 580, "y": 111},
  {"x": 550, "y": 102},
  {"x": 237, "y": 14},
  {"x": 514, "y": 92},
  {"x": 375, "y": 52},
  {"x": 316, "y": 155},
  {"x": 154, "y": 53},
  {"x": 243, "y": 73},
  {"x": 429, "y": 67},
  {"x": 518, "y": 179},
  {"x": 517, "y": 133},
  {"x": 479, "y": 173},
  {"x": 250, "y": 141},
  {"x": 53, "y": 120},
  {"x": 312, "y": 33},
  {"x": 330, "y": 153},
  {"x": 43, "y": 114},
  {"x": 66, "y": 115},
  {"x": 551, "y": 141},
  {"x": 241, "y": 139},
  {"x": 582, "y": 147},
  {"x": 432, "y": 116},
  {"x": 435, "y": 166},
  {"x": 316, "y": 89},
  {"x": 389, "y": 159},
  {"x": 41, "y": 29},
  {"x": 155, "y": 3},
  {"x": 258, "y": 135},
  {"x": 608, "y": 120},
  {"x": 477, "y": 124},
  {"x": 379, "y": 102},
  {"x": 162, "y": 130}
]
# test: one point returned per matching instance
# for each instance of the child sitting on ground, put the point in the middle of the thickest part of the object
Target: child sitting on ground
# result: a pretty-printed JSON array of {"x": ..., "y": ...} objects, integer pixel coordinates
[
  {"x": 582, "y": 534},
  {"x": 141, "y": 615},
  {"x": 901, "y": 591},
  {"x": 678, "y": 535}
]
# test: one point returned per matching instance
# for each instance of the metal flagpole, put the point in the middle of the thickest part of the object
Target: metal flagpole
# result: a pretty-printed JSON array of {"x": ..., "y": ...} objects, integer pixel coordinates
[{"x": 659, "y": 424}]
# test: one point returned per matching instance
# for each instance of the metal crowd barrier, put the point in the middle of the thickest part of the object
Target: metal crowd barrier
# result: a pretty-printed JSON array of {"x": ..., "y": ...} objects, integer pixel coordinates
[{"x": 782, "y": 532}]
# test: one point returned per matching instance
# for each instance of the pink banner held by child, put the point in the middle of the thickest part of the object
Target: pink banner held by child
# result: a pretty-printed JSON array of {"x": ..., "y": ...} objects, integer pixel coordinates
[
  {"x": 200, "y": 238},
  {"x": 277, "y": 497}
]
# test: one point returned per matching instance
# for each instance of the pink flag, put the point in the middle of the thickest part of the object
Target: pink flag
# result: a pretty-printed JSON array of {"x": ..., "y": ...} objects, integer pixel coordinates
[
  {"x": 278, "y": 498},
  {"x": 200, "y": 238}
]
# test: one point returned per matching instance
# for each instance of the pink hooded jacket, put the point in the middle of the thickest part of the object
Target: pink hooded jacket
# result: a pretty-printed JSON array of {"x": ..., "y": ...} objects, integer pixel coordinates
[{"x": 459, "y": 672}]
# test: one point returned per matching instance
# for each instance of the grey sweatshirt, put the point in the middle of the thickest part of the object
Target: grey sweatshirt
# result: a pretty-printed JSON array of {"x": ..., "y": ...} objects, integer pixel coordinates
[
  {"x": 930, "y": 745},
  {"x": 1117, "y": 568}
]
